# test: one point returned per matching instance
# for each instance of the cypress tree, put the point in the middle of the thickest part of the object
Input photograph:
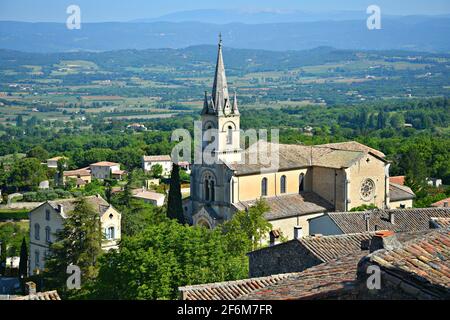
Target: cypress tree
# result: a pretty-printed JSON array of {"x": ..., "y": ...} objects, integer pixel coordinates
[
  {"x": 174, "y": 202},
  {"x": 23, "y": 264}
]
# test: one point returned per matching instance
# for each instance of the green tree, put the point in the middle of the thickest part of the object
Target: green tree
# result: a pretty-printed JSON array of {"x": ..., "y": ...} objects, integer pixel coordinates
[
  {"x": 27, "y": 173},
  {"x": 248, "y": 229},
  {"x": 78, "y": 243},
  {"x": 156, "y": 171},
  {"x": 23, "y": 264},
  {"x": 153, "y": 264},
  {"x": 38, "y": 152},
  {"x": 174, "y": 202},
  {"x": 19, "y": 121}
]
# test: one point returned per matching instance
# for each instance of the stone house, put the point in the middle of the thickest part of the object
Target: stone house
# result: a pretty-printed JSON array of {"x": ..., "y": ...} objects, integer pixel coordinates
[{"x": 48, "y": 218}]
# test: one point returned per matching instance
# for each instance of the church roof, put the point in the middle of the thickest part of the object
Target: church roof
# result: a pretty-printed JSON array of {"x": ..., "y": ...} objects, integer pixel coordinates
[
  {"x": 292, "y": 156},
  {"x": 398, "y": 192},
  {"x": 290, "y": 205}
]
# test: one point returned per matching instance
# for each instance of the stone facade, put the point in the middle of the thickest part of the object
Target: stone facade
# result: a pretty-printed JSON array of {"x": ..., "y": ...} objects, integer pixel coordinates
[{"x": 285, "y": 258}]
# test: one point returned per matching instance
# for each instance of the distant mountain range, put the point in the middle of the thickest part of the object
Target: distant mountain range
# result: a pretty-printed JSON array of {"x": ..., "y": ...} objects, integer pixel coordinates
[
  {"x": 218, "y": 16},
  {"x": 416, "y": 33}
]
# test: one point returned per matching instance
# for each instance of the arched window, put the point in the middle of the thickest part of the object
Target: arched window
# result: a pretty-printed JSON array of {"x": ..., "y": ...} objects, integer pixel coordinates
[
  {"x": 47, "y": 215},
  {"x": 206, "y": 189},
  {"x": 264, "y": 187},
  {"x": 213, "y": 196},
  {"x": 301, "y": 183},
  {"x": 48, "y": 234},
  {"x": 283, "y": 184},
  {"x": 209, "y": 184},
  {"x": 110, "y": 233},
  {"x": 230, "y": 135},
  {"x": 37, "y": 231}
]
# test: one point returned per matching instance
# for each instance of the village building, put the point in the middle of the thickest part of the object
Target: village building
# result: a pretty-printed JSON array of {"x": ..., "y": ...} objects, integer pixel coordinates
[
  {"x": 398, "y": 220},
  {"x": 305, "y": 182},
  {"x": 444, "y": 203},
  {"x": 48, "y": 218},
  {"x": 106, "y": 170},
  {"x": 412, "y": 266},
  {"x": 81, "y": 177},
  {"x": 53, "y": 162},
  {"x": 164, "y": 161},
  {"x": 151, "y": 197}
]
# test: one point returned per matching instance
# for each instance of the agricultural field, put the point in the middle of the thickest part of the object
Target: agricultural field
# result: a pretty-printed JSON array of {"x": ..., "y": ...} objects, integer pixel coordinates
[{"x": 147, "y": 85}]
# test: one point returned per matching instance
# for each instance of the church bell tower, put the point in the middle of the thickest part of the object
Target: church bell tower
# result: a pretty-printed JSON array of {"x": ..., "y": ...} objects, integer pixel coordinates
[{"x": 221, "y": 118}]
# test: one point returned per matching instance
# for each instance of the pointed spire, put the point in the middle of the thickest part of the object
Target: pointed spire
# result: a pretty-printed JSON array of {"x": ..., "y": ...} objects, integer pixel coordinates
[
  {"x": 220, "y": 95},
  {"x": 235, "y": 109},
  {"x": 205, "y": 104}
]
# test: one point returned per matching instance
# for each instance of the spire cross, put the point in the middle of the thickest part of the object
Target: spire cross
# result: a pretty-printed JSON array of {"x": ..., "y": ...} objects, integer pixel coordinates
[{"x": 220, "y": 38}]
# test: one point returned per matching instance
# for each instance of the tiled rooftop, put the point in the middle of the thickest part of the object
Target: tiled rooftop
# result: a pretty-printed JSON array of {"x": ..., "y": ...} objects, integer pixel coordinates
[
  {"x": 398, "y": 192},
  {"x": 157, "y": 158},
  {"x": 440, "y": 222},
  {"x": 292, "y": 156},
  {"x": 316, "y": 282},
  {"x": 290, "y": 205},
  {"x": 49, "y": 295},
  {"x": 230, "y": 290},
  {"x": 423, "y": 262},
  {"x": 404, "y": 219}
]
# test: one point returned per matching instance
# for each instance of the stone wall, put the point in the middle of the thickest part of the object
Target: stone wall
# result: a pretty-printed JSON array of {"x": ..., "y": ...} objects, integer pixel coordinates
[{"x": 283, "y": 258}]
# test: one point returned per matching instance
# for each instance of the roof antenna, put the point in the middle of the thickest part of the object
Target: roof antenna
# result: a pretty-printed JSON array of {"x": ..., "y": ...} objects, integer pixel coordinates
[{"x": 220, "y": 38}]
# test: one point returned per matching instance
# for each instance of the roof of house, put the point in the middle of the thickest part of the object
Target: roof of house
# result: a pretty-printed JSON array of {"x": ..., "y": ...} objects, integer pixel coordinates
[
  {"x": 160, "y": 158},
  {"x": 148, "y": 195},
  {"x": 439, "y": 222},
  {"x": 441, "y": 203},
  {"x": 404, "y": 219},
  {"x": 56, "y": 158},
  {"x": 78, "y": 172},
  {"x": 120, "y": 172},
  {"x": 397, "y": 179},
  {"x": 97, "y": 202},
  {"x": 229, "y": 290},
  {"x": 105, "y": 164},
  {"x": 327, "y": 248},
  {"x": 398, "y": 192},
  {"x": 259, "y": 157},
  {"x": 48, "y": 295},
  {"x": 423, "y": 263},
  {"x": 316, "y": 282},
  {"x": 290, "y": 205}
]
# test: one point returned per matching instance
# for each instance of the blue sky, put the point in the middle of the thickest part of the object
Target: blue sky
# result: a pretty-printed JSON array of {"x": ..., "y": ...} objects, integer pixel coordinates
[{"x": 120, "y": 10}]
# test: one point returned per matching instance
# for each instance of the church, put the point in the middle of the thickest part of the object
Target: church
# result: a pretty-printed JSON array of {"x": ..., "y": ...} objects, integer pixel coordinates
[{"x": 307, "y": 181}]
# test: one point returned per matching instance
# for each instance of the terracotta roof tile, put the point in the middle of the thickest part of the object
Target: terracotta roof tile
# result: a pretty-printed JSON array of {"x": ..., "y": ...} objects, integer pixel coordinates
[
  {"x": 230, "y": 290},
  {"x": 290, "y": 205},
  {"x": 405, "y": 219},
  {"x": 317, "y": 282}
]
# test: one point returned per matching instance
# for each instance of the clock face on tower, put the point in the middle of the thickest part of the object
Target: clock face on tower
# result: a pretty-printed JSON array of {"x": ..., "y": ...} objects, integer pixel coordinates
[{"x": 367, "y": 190}]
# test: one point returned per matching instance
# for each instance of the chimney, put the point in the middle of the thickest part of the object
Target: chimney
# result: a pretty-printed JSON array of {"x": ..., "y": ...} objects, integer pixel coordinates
[
  {"x": 385, "y": 239},
  {"x": 30, "y": 288},
  {"x": 366, "y": 218},
  {"x": 392, "y": 217},
  {"x": 273, "y": 236},
  {"x": 445, "y": 204},
  {"x": 298, "y": 232},
  {"x": 61, "y": 209}
]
